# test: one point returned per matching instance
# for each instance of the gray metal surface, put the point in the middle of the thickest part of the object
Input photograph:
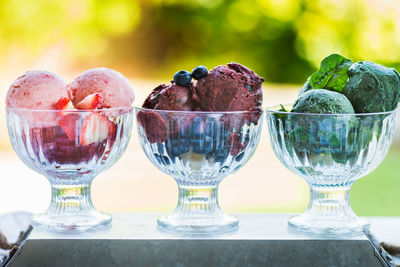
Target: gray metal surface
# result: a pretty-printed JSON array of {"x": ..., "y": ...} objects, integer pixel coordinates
[
  {"x": 387, "y": 230},
  {"x": 11, "y": 226},
  {"x": 134, "y": 240}
]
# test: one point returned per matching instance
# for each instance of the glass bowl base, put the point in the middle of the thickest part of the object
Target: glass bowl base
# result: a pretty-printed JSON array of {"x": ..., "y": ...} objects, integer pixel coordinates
[
  {"x": 71, "y": 222},
  {"x": 178, "y": 223},
  {"x": 329, "y": 226}
]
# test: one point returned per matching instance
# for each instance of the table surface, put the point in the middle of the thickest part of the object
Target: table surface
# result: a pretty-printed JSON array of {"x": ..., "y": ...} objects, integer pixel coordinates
[
  {"x": 260, "y": 237},
  {"x": 252, "y": 226}
]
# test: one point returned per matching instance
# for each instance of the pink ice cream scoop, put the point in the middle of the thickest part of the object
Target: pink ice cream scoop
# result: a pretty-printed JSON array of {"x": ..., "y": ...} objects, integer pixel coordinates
[
  {"x": 114, "y": 88},
  {"x": 37, "y": 90}
]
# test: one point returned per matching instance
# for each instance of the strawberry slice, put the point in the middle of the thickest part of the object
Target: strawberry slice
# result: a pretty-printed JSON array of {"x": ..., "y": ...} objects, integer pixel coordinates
[
  {"x": 90, "y": 101},
  {"x": 69, "y": 124},
  {"x": 64, "y": 103},
  {"x": 96, "y": 128}
]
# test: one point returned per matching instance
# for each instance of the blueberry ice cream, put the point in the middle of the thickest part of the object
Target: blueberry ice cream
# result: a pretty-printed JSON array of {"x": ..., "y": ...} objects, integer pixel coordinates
[
  {"x": 171, "y": 97},
  {"x": 230, "y": 87}
]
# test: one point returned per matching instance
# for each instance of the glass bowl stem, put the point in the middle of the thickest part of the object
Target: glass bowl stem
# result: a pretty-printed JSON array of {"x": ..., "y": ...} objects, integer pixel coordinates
[
  {"x": 71, "y": 208},
  {"x": 329, "y": 213},
  {"x": 201, "y": 200}
]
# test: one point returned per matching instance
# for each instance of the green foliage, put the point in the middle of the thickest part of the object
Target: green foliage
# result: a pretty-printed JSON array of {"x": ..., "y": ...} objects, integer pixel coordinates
[
  {"x": 332, "y": 74},
  {"x": 282, "y": 40},
  {"x": 378, "y": 193},
  {"x": 283, "y": 109}
]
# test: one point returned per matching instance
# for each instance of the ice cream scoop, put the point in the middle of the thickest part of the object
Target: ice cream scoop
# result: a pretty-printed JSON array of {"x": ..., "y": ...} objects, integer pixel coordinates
[
  {"x": 115, "y": 89},
  {"x": 231, "y": 87},
  {"x": 170, "y": 97},
  {"x": 320, "y": 134},
  {"x": 36, "y": 90},
  {"x": 372, "y": 87},
  {"x": 322, "y": 101},
  {"x": 306, "y": 87}
]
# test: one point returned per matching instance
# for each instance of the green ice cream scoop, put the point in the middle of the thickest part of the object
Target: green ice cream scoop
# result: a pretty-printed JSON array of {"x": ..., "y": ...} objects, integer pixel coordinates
[
  {"x": 372, "y": 87},
  {"x": 306, "y": 87},
  {"x": 323, "y": 101}
]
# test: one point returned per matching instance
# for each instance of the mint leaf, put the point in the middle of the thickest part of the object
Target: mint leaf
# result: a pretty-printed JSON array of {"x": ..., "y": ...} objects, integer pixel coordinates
[
  {"x": 279, "y": 115},
  {"x": 339, "y": 78},
  {"x": 332, "y": 74},
  {"x": 283, "y": 109}
]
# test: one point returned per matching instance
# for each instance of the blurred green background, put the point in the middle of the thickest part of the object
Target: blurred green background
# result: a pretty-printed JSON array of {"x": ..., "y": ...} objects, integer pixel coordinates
[
  {"x": 149, "y": 40},
  {"x": 284, "y": 40}
]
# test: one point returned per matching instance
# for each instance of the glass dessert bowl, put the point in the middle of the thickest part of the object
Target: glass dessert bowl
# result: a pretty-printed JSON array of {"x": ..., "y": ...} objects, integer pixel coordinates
[
  {"x": 70, "y": 148},
  {"x": 330, "y": 151},
  {"x": 198, "y": 149}
]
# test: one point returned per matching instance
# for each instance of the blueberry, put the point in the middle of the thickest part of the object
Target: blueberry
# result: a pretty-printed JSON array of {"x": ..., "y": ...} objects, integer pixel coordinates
[
  {"x": 202, "y": 145},
  {"x": 163, "y": 160},
  {"x": 183, "y": 78},
  {"x": 240, "y": 156},
  {"x": 177, "y": 146},
  {"x": 211, "y": 129},
  {"x": 200, "y": 142},
  {"x": 197, "y": 127},
  {"x": 199, "y": 72},
  {"x": 221, "y": 154},
  {"x": 222, "y": 146}
]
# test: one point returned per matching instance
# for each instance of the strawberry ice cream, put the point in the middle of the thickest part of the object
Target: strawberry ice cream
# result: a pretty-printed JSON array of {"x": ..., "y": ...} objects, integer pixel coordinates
[
  {"x": 38, "y": 90},
  {"x": 69, "y": 121},
  {"x": 114, "y": 88},
  {"x": 70, "y": 141}
]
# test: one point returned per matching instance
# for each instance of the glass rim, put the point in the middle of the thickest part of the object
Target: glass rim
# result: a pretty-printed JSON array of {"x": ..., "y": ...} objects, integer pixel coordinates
[
  {"x": 190, "y": 112},
  {"x": 70, "y": 110},
  {"x": 269, "y": 111}
]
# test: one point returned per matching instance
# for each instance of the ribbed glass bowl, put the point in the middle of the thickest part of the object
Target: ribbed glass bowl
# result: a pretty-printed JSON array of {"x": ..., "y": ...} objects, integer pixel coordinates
[
  {"x": 330, "y": 151},
  {"x": 198, "y": 149},
  {"x": 70, "y": 158}
]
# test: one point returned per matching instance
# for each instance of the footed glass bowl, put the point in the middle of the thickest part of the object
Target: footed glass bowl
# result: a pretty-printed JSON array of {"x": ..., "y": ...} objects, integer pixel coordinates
[
  {"x": 198, "y": 149},
  {"x": 330, "y": 151},
  {"x": 70, "y": 148}
]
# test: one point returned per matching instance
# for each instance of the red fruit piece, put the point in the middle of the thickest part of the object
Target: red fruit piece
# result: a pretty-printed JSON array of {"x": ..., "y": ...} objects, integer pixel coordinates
[
  {"x": 96, "y": 128},
  {"x": 69, "y": 124},
  {"x": 236, "y": 145},
  {"x": 153, "y": 125},
  {"x": 64, "y": 103},
  {"x": 90, "y": 101}
]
